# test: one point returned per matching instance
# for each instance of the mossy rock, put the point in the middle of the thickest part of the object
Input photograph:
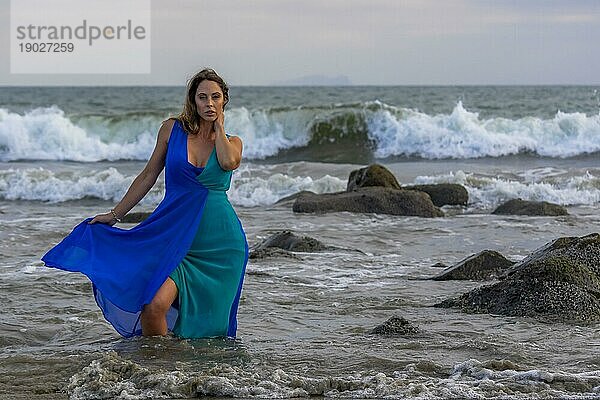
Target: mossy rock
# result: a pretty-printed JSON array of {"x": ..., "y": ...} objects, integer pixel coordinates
[
  {"x": 559, "y": 281},
  {"x": 395, "y": 326},
  {"x": 373, "y": 175},
  {"x": 487, "y": 264}
]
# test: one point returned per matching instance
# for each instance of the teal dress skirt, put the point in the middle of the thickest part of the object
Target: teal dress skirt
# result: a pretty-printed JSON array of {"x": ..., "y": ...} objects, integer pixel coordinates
[
  {"x": 193, "y": 237},
  {"x": 209, "y": 276}
]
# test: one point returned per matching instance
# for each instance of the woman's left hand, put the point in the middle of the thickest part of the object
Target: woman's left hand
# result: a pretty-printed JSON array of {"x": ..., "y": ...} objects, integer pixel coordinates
[{"x": 106, "y": 218}]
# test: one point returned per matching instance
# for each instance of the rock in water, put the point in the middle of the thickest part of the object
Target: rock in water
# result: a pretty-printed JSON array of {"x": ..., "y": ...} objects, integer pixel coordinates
[
  {"x": 373, "y": 175},
  {"x": 451, "y": 194},
  {"x": 536, "y": 208},
  {"x": 271, "y": 252},
  {"x": 378, "y": 175},
  {"x": 288, "y": 240},
  {"x": 281, "y": 243},
  {"x": 487, "y": 264},
  {"x": 559, "y": 281},
  {"x": 395, "y": 326},
  {"x": 369, "y": 200},
  {"x": 291, "y": 198}
]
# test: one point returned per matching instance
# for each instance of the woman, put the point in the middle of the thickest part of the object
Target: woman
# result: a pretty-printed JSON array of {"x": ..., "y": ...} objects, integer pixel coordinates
[{"x": 182, "y": 268}]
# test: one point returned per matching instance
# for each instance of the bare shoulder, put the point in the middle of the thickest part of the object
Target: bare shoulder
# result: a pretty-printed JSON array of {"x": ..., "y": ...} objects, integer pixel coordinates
[
  {"x": 157, "y": 160},
  {"x": 234, "y": 139},
  {"x": 164, "y": 133}
]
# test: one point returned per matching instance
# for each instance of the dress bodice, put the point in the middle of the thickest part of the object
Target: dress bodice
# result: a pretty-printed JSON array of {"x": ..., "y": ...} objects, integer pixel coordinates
[{"x": 180, "y": 172}]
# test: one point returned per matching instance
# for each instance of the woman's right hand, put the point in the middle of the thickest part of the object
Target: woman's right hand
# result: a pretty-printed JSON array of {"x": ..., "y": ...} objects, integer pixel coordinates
[{"x": 107, "y": 218}]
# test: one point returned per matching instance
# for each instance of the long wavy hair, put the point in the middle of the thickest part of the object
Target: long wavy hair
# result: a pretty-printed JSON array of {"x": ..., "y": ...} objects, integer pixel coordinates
[{"x": 189, "y": 117}]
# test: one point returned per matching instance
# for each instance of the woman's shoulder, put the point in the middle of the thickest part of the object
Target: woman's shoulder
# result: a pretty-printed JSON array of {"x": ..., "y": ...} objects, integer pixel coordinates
[
  {"x": 230, "y": 136},
  {"x": 169, "y": 122},
  {"x": 166, "y": 128}
]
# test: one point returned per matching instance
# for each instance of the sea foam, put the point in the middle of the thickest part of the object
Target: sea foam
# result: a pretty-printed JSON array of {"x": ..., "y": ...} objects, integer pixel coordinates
[
  {"x": 250, "y": 188},
  {"x": 463, "y": 134},
  {"x": 42, "y": 184},
  {"x": 490, "y": 191},
  {"x": 112, "y": 376},
  {"x": 109, "y": 184}
]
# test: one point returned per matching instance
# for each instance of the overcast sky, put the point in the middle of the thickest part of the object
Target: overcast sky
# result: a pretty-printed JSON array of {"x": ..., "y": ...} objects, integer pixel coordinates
[{"x": 371, "y": 42}]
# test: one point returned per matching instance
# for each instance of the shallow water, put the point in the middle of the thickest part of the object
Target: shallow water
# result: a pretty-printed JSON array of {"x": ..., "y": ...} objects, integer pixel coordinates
[{"x": 305, "y": 323}]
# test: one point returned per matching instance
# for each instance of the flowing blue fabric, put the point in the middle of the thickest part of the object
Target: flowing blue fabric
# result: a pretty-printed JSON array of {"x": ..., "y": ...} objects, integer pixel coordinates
[{"x": 128, "y": 266}]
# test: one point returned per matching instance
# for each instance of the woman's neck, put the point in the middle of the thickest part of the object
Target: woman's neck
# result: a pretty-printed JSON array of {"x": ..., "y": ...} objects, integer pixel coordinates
[{"x": 205, "y": 129}]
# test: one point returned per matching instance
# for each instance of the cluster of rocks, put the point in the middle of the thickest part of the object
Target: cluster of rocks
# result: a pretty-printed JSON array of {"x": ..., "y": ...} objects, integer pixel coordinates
[
  {"x": 374, "y": 189},
  {"x": 559, "y": 281}
]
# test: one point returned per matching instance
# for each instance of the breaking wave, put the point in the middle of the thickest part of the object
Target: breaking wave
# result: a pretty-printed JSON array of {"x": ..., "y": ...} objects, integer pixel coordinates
[{"x": 335, "y": 133}]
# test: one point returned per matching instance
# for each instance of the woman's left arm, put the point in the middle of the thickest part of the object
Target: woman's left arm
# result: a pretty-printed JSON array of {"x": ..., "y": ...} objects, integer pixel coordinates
[{"x": 229, "y": 150}]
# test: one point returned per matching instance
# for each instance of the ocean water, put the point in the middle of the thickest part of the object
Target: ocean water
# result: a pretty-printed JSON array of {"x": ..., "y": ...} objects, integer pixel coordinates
[{"x": 70, "y": 153}]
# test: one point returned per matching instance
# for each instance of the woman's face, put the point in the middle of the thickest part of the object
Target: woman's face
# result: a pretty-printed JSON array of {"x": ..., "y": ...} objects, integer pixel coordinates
[{"x": 209, "y": 100}]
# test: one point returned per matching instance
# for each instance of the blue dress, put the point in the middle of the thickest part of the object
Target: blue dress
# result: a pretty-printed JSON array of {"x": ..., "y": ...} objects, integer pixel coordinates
[{"x": 193, "y": 236}]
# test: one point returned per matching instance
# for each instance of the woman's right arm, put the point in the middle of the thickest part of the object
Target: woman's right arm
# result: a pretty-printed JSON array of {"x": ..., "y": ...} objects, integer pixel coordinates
[{"x": 142, "y": 184}]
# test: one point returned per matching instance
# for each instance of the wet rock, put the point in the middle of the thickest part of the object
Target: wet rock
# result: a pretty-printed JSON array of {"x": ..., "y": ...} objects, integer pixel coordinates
[
  {"x": 271, "y": 252},
  {"x": 559, "y": 281},
  {"x": 443, "y": 194},
  {"x": 487, "y": 264},
  {"x": 291, "y": 198},
  {"x": 373, "y": 175},
  {"x": 395, "y": 326},
  {"x": 135, "y": 217},
  {"x": 378, "y": 175},
  {"x": 369, "y": 200},
  {"x": 281, "y": 244},
  {"x": 288, "y": 240},
  {"x": 524, "y": 207}
]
